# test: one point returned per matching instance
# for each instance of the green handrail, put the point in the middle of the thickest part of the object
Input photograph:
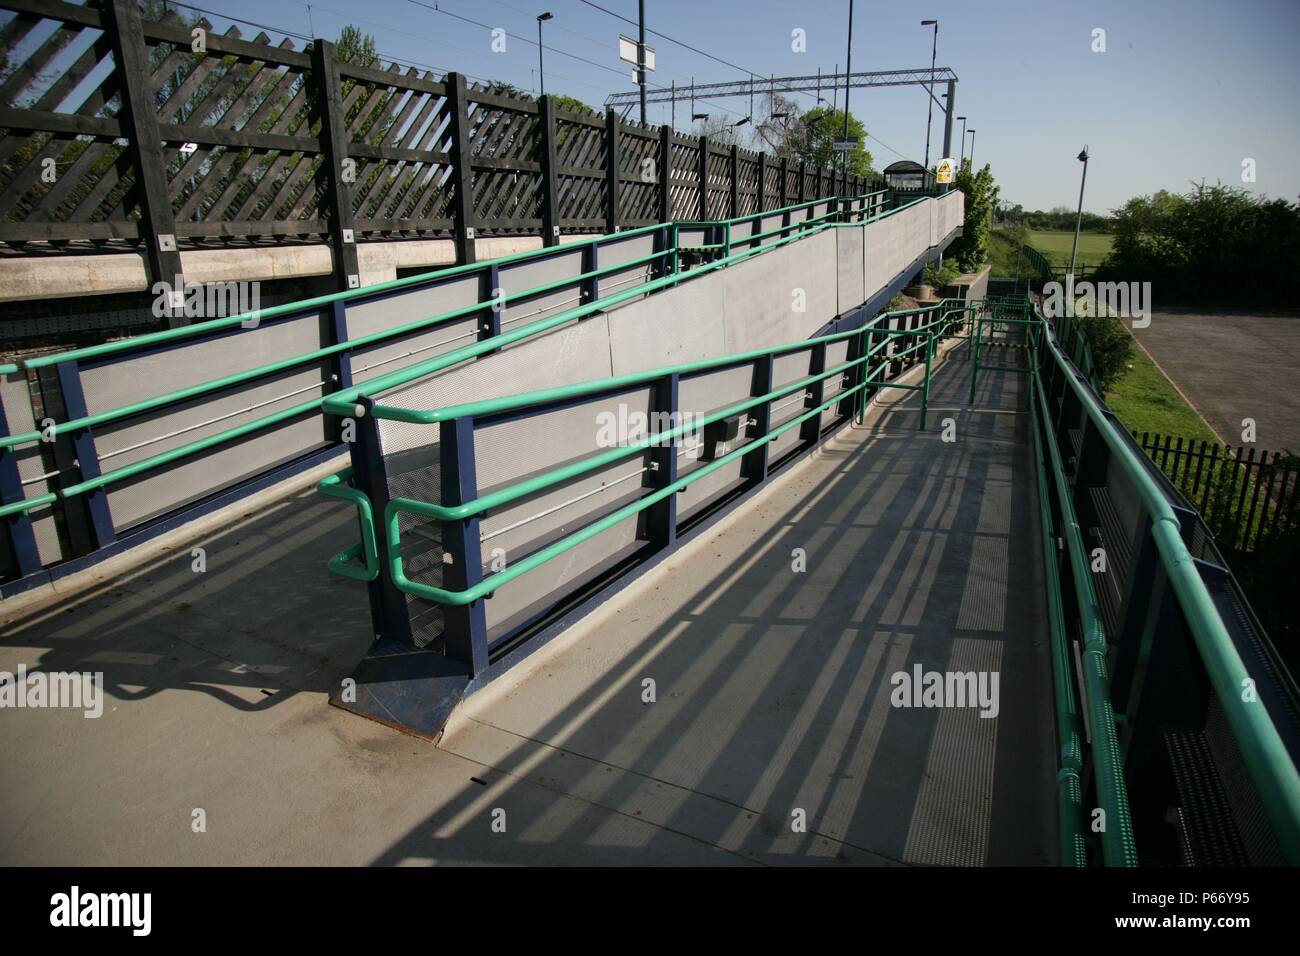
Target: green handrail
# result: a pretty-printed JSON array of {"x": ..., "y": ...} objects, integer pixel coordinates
[
  {"x": 886, "y": 214},
  {"x": 27, "y": 504},
  {"x": 230, "y": 321},
  {"x": 1069, "y": 785},
  {"x": 539, "y": 483},
  {"x": 1118, "y": 848},
  {"x": 537, "y": 558},
  {"x": 560, "y": 392},
  {"x": 193, "y": 391},
  {"x": 343, "y": 402},
  {"x": 344, "y": 563},
  {"x": 504, "y": 496},
  {"x": 1268, "y": 762},
  {"x": 333, "y": 402},
  {"x": 801, "y": 230}
]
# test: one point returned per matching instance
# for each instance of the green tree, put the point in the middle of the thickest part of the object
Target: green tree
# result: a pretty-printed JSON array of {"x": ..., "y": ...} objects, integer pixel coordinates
[
  {"x": 1111, "y": 346},
  {"x": 1210, "y": 245},
  {"x": 812, "y": 137},
  {"x": 972, "y": 248},
  {"x": 574, "y": 105},
  {"x": 356, "y": 47}
]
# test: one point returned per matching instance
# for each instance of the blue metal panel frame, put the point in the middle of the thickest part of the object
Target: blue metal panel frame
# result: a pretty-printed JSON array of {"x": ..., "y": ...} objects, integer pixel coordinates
[
  {"x": 83, "y": 443},
  {"x": 464, "y": 626},
  {"x": 490, "y": 325},
  {"x": 389, "y": 615},
  {"x": 18, "y": 527},
  {"x": 754, "y": 466},
  {"x": 338, "y": 333},
  {"x": 661, "y": 519},
  {"x": 813, "y": 394}
]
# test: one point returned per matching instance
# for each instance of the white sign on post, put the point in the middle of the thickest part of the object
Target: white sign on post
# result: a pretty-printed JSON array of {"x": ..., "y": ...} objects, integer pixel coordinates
[
  {"x": 945, "y": 171},
  {"x": 627, "y": 52}
]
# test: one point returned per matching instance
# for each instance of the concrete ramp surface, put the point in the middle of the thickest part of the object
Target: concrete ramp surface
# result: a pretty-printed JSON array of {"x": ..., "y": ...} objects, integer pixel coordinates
[
  {"x": 771, "y": 738},
  {"x": 773, "y": 687}
]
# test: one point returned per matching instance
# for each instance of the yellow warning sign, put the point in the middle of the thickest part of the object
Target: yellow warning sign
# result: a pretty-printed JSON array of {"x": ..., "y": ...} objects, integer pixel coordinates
[{"x": 945, "y": 171}]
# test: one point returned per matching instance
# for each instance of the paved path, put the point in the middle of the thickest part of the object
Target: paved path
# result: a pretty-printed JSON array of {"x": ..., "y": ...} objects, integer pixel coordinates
[
  {"x": 1233, "y": 366},
  {"x": 773, "y": 692}
]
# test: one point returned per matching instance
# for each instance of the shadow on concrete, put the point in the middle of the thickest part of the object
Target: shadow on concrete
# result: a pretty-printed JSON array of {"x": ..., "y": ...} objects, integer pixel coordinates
[
  {"x": 772, "y": 689},
  {"x": 773, "y": 686},
  {"x": 265, "y": 619}
]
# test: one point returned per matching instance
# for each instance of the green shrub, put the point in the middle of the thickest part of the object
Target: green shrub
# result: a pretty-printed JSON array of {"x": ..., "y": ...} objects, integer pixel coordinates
[
  {"x": 971, "y": 249},
  {"x": 1111, "y": 345},
  {"x": 940, "y": 276}
]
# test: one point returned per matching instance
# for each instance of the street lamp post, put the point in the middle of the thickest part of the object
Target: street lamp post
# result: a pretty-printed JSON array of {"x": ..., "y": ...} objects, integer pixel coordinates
[
  {"x": 541, "y": 73},
  {"x": 848, "y": 73},
  {"x": 962, "y": 158},
  {"x": 929, "y": 113},
  {"x": 1078, "y": 222},
  {"x": 640, "y": 57},
  {"x": 972, "y": 150}
]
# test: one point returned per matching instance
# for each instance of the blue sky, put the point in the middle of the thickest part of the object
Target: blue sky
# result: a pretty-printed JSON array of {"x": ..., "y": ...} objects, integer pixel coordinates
[{"x": 1185, "y": 91}]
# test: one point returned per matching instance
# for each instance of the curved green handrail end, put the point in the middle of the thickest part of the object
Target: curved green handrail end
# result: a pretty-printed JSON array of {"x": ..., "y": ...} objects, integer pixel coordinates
[{"x": 345, "y": 562}]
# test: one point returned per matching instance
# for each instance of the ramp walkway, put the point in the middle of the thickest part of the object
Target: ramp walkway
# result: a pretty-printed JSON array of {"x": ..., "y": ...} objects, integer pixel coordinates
[
  {"x": 773, "y": 687},
  {"x": 814, "y": 621},
  {"x": 772, "y": 690}
]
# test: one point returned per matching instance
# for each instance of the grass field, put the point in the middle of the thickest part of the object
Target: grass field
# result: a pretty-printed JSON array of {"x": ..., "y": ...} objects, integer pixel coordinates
[
  {"x": 1146, "y": 401},
  {"x": 1004, "y": 249},
  {"x": 1093, "y": 246}
]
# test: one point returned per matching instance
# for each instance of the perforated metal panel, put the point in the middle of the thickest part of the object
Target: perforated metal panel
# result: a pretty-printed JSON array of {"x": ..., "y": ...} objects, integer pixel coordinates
[
  {"x": 404, "y": 307},
  {"x": 513, "y": 451},
  {"x": 576, "y": 353},
  {"x": 122, "y": 381},
  {"x": 642, "y": 337},
  {"x": 885, "y": 252},
  {"x": 613, "y": 253},
  {"x": 516, "y": 277}
]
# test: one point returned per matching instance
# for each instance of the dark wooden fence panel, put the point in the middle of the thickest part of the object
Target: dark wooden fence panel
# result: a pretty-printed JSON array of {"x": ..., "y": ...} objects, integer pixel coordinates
[
  {"x": 247, "y": 141},
  {"x": 581, "y": 159}
]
